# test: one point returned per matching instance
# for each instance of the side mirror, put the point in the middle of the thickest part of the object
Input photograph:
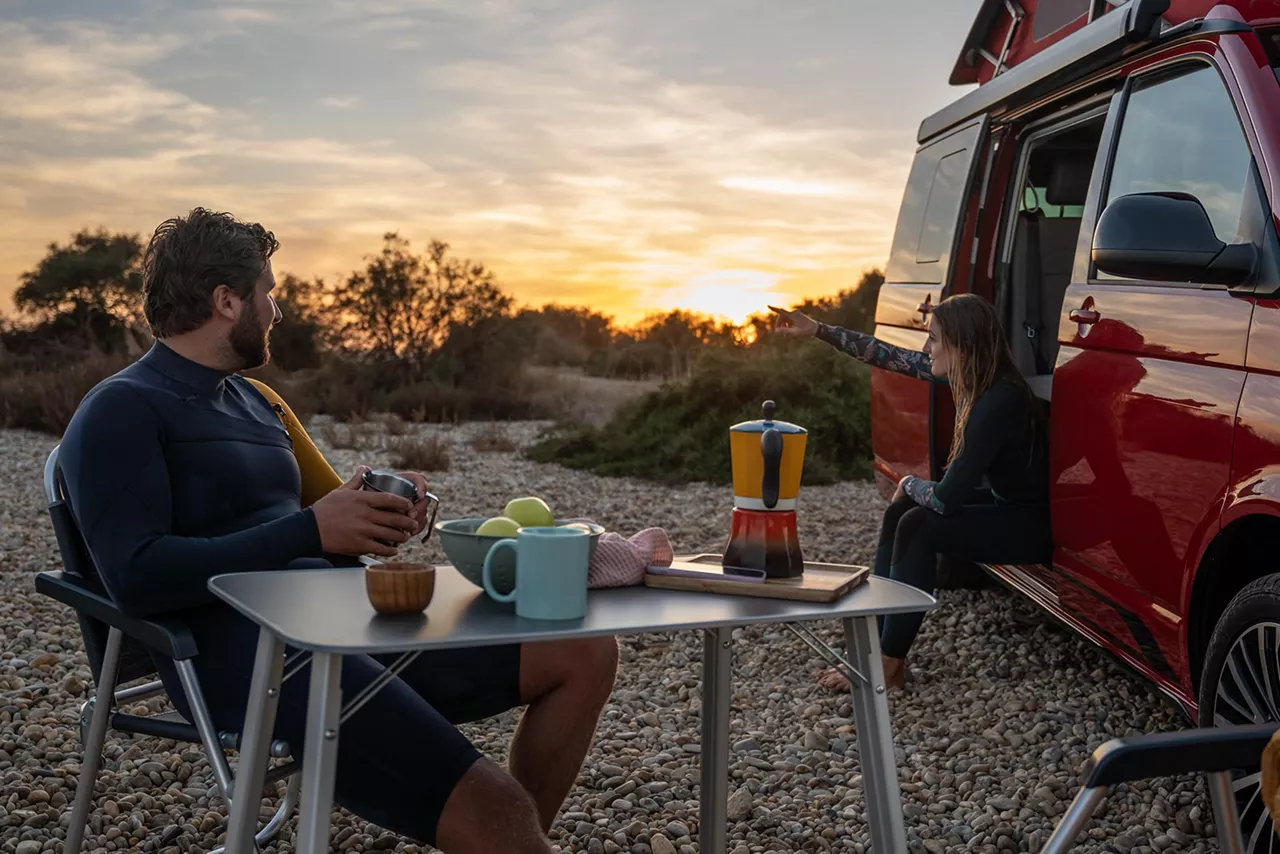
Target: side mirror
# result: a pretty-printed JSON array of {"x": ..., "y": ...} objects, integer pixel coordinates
[{"x": 1167, "y": 237}]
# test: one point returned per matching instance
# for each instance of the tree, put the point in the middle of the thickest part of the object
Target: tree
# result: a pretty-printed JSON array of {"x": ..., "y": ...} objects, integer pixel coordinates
[
  {"x": 404, "y": 306},
  {"x": 95, "y": 274},
  {"x": 852, "y": 308},
  {"x": 304, "y": 330}
]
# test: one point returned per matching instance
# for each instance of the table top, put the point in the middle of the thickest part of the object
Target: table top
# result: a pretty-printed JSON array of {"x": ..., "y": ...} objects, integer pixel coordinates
[{"x": 327, "y": 610}]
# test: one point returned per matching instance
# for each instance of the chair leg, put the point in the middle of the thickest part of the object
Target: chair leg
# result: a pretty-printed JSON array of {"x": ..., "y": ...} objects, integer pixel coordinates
[
  {"x": 1225, "y": 816},
  {"x": 91, "y": 760},
  {"x": 204, "y": 726},
  {"x": 286, "y": 808}
]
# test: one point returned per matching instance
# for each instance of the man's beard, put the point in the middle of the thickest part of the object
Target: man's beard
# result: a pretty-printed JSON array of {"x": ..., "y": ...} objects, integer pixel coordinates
[{"x": 249, "y": 339}]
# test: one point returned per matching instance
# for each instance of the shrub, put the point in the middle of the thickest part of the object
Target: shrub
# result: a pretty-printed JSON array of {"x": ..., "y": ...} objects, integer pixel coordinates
[
  {"x": 413, "y": 453},
  {"x": 42, "y": 394},
  {"x": 680, "y": 433},
  {"x": 493, "y": 437}
]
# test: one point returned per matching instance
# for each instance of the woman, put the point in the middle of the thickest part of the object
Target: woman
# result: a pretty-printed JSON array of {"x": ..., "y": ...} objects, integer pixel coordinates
[{"x": 999, "y": 434}]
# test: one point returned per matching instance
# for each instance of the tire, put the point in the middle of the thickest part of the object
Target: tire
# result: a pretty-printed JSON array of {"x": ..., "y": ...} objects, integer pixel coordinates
[{"x": 1239, "y": 684}]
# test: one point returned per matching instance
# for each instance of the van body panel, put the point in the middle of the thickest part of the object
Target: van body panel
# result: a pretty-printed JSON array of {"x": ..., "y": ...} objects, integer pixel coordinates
[
  {"x": 930, "y": 250},
  {"x": 1165, "y": 406}
]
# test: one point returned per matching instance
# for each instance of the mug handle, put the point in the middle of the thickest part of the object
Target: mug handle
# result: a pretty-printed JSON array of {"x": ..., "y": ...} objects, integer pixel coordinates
[{"x": 488, "y": 573}]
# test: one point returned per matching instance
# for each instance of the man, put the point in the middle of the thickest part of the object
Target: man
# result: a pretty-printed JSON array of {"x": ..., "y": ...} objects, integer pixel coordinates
[{"x": 178, "y": 469}]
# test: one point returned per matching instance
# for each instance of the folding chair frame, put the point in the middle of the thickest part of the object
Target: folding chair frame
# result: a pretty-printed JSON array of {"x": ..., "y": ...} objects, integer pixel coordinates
[
  {"x": 1212, "y": 751},
  {"x": 77, "y": 586}
]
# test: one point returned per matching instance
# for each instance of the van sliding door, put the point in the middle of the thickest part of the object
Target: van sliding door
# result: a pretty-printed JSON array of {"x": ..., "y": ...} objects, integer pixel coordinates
[{"x": 922, "y": 262}]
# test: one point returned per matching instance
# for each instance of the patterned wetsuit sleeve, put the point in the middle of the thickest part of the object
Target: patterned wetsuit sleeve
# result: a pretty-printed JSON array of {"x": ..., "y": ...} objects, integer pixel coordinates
[
  {"x": 924, "y": 493},
  {"x": 873, "y": 351}
]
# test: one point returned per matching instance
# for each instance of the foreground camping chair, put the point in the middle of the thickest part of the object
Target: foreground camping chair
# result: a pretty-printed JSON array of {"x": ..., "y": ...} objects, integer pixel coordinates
[
  {"x": 119, "y": 650},
  {"x": 1213, "y": 752}
]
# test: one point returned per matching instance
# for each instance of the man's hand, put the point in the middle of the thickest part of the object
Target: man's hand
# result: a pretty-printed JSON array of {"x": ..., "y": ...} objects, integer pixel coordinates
[
  {"x": 352, "y": 520},
  {"x": 901, "y": 491},
  {"x": 421, "y": 510},
  {"x": 794, "y": 323}
]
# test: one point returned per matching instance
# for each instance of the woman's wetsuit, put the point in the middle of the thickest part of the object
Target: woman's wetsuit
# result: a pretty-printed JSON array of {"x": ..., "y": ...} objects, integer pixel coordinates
[{"x": 1005, "y": 442}]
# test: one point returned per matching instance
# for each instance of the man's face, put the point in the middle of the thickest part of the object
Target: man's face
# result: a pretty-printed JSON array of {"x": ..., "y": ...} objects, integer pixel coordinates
[{"x": 251, "y": 333}]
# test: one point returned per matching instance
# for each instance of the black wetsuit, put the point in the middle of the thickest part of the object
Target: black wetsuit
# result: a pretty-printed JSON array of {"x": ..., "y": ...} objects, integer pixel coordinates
[
  {"x": 177, "y": 472},
  {"x": 1004, "y": 441}
]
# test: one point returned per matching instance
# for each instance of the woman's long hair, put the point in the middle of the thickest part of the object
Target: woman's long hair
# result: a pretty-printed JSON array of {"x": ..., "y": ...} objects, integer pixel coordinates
[{"x": 970, "y": 328}]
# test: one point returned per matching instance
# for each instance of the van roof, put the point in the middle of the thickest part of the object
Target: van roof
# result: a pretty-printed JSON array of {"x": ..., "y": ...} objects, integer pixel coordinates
[
  {"x": 1095, "y": 47},
  {"x": 1039, "y": 24}
]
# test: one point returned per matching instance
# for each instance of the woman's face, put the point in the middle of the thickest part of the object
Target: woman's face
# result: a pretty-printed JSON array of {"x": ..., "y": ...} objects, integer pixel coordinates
[{"x": 938, "y": 352}]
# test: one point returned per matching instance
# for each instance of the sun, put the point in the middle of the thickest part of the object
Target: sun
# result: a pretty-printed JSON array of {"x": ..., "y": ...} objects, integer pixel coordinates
[{"x": 733, "y": 295}]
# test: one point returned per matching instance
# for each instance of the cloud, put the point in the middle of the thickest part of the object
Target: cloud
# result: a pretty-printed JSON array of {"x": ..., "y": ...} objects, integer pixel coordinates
[
  {"x": 559, "y": 143},
  {"x": 340, "y": 102}
]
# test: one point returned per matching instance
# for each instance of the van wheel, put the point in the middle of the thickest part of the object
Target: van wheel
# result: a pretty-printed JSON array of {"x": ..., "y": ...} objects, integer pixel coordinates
[
  {"x": 961, "y": 575},
  {"x": 1240, "y": 684}
]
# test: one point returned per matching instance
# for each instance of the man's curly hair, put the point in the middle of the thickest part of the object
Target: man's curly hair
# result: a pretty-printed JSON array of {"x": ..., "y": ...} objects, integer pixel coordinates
[{"x": 189, "y": 257}]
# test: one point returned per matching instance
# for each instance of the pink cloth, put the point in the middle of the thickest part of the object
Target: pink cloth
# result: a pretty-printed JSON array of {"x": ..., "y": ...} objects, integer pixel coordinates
[{"x": 621, "y": 561}]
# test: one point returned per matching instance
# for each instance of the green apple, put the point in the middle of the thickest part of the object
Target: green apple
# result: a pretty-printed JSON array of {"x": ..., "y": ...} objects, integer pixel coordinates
[
  {"x": 499, "y": 526},
  {"x": 577, "y": 526},
  {"x": 530, "y": 512}
]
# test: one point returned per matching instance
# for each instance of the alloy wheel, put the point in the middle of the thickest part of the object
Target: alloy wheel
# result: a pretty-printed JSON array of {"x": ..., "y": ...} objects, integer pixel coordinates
[{"x": 1248, "y": 692}]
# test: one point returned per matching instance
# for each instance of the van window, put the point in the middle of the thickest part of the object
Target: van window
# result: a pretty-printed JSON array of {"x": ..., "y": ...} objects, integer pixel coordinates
[
  {"x": 1181, "y": 134},
  {"x": 924, "y": 238},
  {"x": 940, "y": 213},
  {"x": 1051, "y": 17}
]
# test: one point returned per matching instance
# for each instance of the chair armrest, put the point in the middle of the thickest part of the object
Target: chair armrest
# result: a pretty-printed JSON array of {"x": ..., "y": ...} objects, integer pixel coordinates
[
  {"x": 167, "y": 636},
  {"x": 1167, "y": 754}
]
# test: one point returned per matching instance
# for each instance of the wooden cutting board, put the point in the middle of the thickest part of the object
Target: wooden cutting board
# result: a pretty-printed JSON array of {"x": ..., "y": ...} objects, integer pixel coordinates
[{"x": 821, "y": 582}]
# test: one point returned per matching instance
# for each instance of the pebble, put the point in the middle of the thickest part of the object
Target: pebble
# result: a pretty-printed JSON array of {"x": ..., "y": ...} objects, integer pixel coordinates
[{"x": 1003, "y": 710}]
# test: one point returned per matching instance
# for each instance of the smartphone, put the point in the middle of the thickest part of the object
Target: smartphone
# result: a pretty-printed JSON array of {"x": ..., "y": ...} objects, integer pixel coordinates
[{"x": 687, "y": 569}]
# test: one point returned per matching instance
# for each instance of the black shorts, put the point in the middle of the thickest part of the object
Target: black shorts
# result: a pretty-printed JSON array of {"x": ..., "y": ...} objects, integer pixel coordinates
[{"x": 400, "y": 756}]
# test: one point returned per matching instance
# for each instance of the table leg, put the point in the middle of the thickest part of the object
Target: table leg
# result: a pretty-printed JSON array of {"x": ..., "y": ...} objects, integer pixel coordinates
[
  {"x": 875, "y": 738},
  {"x": 717, "y": 657},
  {"x": 255, "y": 743},
  {"x": 320, "y": 757}
]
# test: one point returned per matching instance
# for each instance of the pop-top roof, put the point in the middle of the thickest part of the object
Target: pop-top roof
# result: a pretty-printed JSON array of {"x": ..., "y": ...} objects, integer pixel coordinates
[{"x": 1037, "y": 24}]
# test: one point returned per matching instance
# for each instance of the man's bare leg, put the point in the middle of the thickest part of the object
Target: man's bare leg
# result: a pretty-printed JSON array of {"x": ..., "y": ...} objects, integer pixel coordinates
[
  {"x": 566, "y": 685},
  {"x": 489, "y": 811}
]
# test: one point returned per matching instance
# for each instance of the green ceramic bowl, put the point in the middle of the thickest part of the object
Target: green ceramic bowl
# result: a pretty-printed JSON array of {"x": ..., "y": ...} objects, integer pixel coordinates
[{"x": 466, "y": 550}]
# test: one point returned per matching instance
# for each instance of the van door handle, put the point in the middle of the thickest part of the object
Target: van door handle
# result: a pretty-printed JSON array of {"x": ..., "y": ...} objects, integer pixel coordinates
[{"x": 1087, "y": 316}]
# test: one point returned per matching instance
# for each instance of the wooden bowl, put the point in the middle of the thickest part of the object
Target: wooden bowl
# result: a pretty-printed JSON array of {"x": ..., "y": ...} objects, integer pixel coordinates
[{"x": 400, "y": 588}]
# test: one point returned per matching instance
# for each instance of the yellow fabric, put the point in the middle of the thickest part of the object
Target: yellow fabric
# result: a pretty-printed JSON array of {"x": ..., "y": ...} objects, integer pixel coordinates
[{"x": 318, "y": 477}]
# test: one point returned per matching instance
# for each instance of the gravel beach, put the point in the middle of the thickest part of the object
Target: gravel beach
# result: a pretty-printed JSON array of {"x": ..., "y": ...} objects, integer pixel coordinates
[{"x": 1004, "y": 708}]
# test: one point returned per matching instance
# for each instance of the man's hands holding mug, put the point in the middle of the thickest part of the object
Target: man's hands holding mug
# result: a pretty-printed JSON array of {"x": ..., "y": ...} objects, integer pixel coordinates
[{"x": 353, "y": 521}]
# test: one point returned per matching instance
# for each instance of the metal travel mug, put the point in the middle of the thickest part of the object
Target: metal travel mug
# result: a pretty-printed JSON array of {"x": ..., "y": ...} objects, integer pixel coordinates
[{"x": 387, "y": 481}]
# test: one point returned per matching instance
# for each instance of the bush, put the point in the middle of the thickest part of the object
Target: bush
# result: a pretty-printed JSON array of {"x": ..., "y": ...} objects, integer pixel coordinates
[
  {"x": 680, "y": 433},
  {"x": 42, "y": 395},
  {"x": 414, "y": 453},
  {"x": 493, "y": 438}
]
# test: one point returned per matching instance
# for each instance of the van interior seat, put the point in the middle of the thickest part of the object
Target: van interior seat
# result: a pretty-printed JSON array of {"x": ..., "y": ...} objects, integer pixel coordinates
[{"x": 1065, "y": 176}]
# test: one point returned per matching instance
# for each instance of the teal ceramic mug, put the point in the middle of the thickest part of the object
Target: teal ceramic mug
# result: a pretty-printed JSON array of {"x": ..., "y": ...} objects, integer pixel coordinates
[{"x": 551, "y": 573}]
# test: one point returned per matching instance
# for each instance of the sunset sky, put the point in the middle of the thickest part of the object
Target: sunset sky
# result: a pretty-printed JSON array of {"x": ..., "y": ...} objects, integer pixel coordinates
[{"x": 632, "y": 156}]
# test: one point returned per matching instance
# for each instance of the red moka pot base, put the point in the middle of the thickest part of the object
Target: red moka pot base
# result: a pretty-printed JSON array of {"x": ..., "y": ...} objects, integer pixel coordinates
[{"x": 765, "y": 539}]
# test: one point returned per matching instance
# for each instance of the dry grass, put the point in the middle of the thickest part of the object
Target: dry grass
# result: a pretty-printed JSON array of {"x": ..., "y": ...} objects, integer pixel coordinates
[
  {"x": 396, "y": 426},
  {"x": 351, "y": 437},
  {"x": 415, "y": 453},
  {"x": 574, "y": 397},
  {"x": 493, "y": 438}
]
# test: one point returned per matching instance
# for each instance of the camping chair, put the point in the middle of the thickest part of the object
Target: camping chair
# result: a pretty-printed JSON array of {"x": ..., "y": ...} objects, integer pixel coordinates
[
  {"x": 1213, "y": 752},
  {"x": 119, "y": 649}
]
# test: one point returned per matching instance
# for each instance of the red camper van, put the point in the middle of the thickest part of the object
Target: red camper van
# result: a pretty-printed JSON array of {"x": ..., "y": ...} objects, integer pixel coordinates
[{"x": 1111, "y": 184}]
